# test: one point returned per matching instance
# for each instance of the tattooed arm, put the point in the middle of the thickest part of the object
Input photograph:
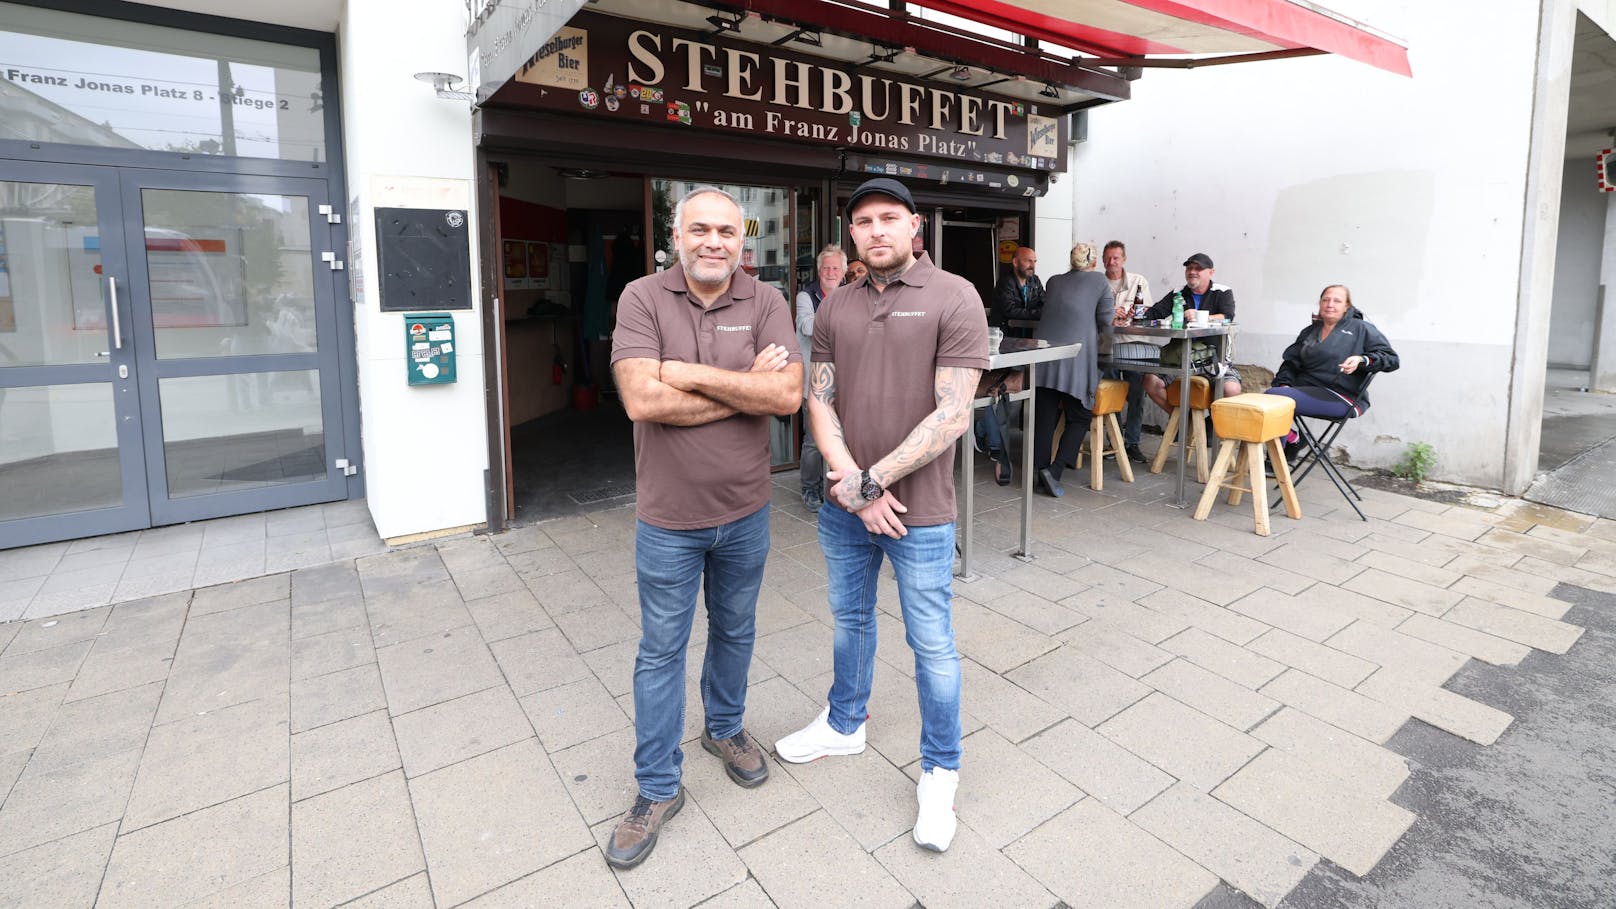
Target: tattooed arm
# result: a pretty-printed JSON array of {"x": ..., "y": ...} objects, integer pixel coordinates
[
  {"x": 822, "y": 419},
  {"x": 952, "y": 387}
]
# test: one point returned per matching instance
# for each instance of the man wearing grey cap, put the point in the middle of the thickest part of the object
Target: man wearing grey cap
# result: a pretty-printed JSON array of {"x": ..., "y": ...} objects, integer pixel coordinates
[
  {"x": 1199, "y": 292},
  {"x": 896, "y": 359}
]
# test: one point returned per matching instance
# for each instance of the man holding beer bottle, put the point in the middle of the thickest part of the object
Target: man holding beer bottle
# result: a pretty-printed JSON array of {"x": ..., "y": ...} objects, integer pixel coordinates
[{"x": 1132, "y": 295}]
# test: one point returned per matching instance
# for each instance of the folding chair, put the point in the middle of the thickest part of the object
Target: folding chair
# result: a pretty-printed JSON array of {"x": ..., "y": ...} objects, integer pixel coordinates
[{"x": 1316, "y": 450}]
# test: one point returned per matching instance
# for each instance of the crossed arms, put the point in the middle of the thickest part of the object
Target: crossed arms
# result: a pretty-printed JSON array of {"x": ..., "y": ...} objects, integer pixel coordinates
[{"x": 690, "y": 394}]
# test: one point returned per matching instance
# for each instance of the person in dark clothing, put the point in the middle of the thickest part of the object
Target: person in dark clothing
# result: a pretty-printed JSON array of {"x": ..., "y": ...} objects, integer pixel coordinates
[
  {"x": 1199, "y": 293},
  {"x": 1080, "y": 310},
  {"x": 1324, "y": 370},
  {"x": 1020, "y": 295}
]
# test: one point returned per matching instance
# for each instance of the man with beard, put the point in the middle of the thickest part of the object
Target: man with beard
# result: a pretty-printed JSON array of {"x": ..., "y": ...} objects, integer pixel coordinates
[
  {"x": 703, "y": 355},
  {"x": 1019, "y": 294}
]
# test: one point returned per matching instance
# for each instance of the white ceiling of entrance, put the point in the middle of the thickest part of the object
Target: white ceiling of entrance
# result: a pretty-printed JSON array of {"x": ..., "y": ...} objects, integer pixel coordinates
[
  {"x": 1592, "y": 114},
  {"x": 835, "y": 47},
  {"x": 318, "y": 15}
]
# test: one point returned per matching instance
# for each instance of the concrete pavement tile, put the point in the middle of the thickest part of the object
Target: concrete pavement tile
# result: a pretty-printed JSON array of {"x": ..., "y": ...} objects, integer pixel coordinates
[
  {"x": 894, "y": 715},
  {"x": 327, "y": 616},
  {"x": 566, "y": 591},
  {"x": 1184, "y": 742},
  {"x": 538, "y": 564},
  {"x": 1482, "y": 646},
  {"x": 614, "y": 665},
  {"x": 1367, "y": 767},
  {"x": 413, "y": 892},
  {"x": 52, "y": 603},
  {"x": 204, "y": 760},
  {"x": 8, "y": 627},
  {"x": 1113, "y": 646},
  {"x": 266, "y": 891},
  {"x": 1412, "y": 569},
  {"x": 538, "y": 660},
  {"x": 842, "y": 866},
  {"x": 1457, "y": 525},
  {"x": 971, "y": 874},
  {"x": 97, "y": 727},
  {"x": 1004, "y": 707},
  {"x": 1408, "y": 655},
  {"x": 1314, "y": 659},
  {"x": 1090, "y": 856},
  {"x": 302, "y": 558},
  {"x": 109, "y": 668},
  {"x": 333, "y": 651},
  {"x": 488, "y": 580},
  {"x": 803, "y": 652},
  {"x": 1005, "y": 792},
  {"x": 1534, "y": 545},
  {"x": 1267, "y": 575},
  {"x": 27, "y": 715},
  {"x": 869, "y": 797},
  {"x": 272, "y": 617},
  {"x": 1593, "y": 580},
  {"x": 746, "y": 895},
  {"x": 469, "y": 554},
  {"x": 43, "y": 634},
  {"x": 692, "y": 862},
  {"x": 599, "y": 774},
  {"x": 1240, "y": 541},
  {"x": 1515, "y": 625},
  {"x": 163, "y": 579},
  {"x": 400, "y": 569},
  {"x": 693, "y": 713},
  {"x": 336, "y": 696},
  {"x": 1088, "y": 690},
  {"x": 1126, "y": 585},
  {"x": 1259, "y": 862},
  {"x": 492, "y": 819},
  {"x": 1493, "y": 592},
  {"x": 1146, "y": 624},
  {"x": 1029, "y": 609},
  {"x": 40, "y": 668},
  {"x": 442, "y": 734},
  {"x": 1414, "y": 545},
  {"x": 323, "y": 583},
  {"x": 774, "y": 611},
  {"x": 1310, "y": 620},
  {"x": 1414, "y": 595},
  {"x": 597, "y": 626},
  {"x": 1214, "y": 586},
  {"x": 1237, "y": 664},
  {"x": 223, "y": 597},
  {"x": 1052, "y": 586},
  {"x": 155, "y": 618},
  {"x": 522, "y": 539},
  {"x": 418, "y": 611},
  {"x": 1097, "y": 765},
  {"x": 996, "y": 642},
  {"x": 337, "y": 754},
  {"x": 1495, "y": 567},
  {"x": 585, "y": 879},
  {"x": 1438, "y": 706},
  {"x": 1226, "y": 624},
  {"x": 1212, "y": 694},
  {"x": 575, "y": 712},
  {"x": 1316, "y": 809},
  {"x": 49, "y": 804},
  {"x": 437, "y": 668},
  {"x": 986, "y": 588},
  {"x": 350, "y": 841},
  {"x": 1351, "y": 605},
  {"x": 1313, "y": 560},
  {"x": 201, "y": 853},
  {"x": 776, "y": 708},
  {"x": 1337, "y": 706},
  {"x": 741, "y": 815},
  {"x": 213, "y": 673},
  {"x": 507, "y": 615},
  {"x": 65, "y": 872}
]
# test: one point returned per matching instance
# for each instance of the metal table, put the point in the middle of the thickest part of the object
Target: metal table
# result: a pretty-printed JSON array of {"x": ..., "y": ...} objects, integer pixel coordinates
[
  {"x": 1012, "y": 352},
  {"x": 1219, "y": 330}
]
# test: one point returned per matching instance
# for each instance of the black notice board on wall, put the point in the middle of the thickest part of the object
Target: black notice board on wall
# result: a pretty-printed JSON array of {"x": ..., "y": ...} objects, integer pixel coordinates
[{"x": 424, "y": 255}]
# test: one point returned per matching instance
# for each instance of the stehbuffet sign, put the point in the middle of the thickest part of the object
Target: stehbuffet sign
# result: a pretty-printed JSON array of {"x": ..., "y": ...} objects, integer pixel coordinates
[{"x": 609, "y": 67}]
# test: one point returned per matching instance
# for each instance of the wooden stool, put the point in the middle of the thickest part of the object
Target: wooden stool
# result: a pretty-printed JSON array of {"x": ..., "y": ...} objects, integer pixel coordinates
[
  {"x": 1251, "y": 421},
  {"x": 1200, "y": 401},
  {"x": 1109, "y": 399}
]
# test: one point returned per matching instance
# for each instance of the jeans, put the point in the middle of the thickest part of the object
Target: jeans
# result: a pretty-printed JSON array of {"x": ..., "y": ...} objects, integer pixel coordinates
[
  {"x": 813, "y": 465},
  {"x": 987, "y": 428},
  {"x": 1133, "y": 420},
  {"x": 669, "y": 566},
  {"x": 1312, "y": 401},
  {"x": 924, "y": 564}
]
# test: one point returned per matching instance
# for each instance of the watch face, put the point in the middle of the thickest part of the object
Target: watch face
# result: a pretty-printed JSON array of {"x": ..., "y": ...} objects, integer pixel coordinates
[{"x": 870, "y": 489}]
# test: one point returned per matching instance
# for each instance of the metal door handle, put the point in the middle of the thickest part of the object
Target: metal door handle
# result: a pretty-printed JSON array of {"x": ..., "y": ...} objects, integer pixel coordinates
[{"x": 117, "y": 329}]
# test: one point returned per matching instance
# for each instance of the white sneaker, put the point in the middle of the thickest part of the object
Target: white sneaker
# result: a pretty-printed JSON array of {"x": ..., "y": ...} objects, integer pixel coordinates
[
  {"x": 817, "y": 740},
  {"x": 935, "y": 825}
]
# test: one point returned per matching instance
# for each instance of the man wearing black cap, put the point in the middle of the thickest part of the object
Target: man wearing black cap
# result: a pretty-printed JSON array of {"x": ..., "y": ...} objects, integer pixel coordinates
[
  {"x": 1199, "y": 293},
  {"x": 896, "y": 358}
]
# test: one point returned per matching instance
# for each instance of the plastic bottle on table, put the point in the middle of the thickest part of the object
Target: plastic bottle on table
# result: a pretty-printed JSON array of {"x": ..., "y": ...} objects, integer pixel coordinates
[{"x": 1178, "y": 310}]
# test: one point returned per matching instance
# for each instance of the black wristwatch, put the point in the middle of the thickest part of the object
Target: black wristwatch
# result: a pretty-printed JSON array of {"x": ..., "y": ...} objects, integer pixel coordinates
[{"x": 869, "y": 490}]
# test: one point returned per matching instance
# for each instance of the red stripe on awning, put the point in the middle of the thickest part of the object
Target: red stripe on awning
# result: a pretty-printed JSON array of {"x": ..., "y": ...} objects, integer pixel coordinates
[{"x": 1064, "y": 32}]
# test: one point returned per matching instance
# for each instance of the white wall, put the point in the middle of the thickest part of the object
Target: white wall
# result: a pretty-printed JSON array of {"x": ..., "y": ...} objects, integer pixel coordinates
[
  {"x": 1299, "y": 173},
  {"x": 1576, "y": 266},
  {"x": 425, "y": 448},
  {"x": 1053, "y": 228}
]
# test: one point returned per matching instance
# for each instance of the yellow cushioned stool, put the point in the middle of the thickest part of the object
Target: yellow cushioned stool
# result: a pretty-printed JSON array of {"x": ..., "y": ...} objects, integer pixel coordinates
[
  {"x": 1251, "y": 422},
  {"x": 1109, "y": 399},
  {"x": 1200, "y": 401}
]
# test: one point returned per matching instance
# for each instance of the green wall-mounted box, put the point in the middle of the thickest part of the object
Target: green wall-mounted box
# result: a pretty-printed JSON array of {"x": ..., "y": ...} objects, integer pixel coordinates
[{"x": 429, "y": 349}]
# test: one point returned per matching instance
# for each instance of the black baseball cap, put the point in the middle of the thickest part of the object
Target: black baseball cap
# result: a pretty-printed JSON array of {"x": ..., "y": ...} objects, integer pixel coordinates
[
  {"x": 885, "y": 186},
  {"x": 1201, "y": 259}
]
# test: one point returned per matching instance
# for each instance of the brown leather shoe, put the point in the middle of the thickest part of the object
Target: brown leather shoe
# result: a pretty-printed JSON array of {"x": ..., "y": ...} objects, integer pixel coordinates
[
  {"x": 743, "y": 758},
  {"x": 636, "y": 834}
]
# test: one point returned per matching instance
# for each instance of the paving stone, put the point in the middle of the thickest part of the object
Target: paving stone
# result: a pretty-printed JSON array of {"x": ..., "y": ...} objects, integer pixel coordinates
[
  {"x": 871, "y": 799},
  {"x": 1126, "y": 585},
  {"x": 1493, "y": 592},
  {"x": 1459, "y": 526},
  {"x": 1495, "y": 567},
  {"x": 1113, "y": 646},
  {"x": 1004, "y": 792},
  {"x": 1412, "y": 569},
  {"x": 599, "y": 774},
  {"x": 507, "y": 615},
  {"x": 1088, "y": 690},
  {"x": 1373, "y": 769},
  {"x": 971, "y": 874},
  {"x": 996, "y": 642},
  {"x": 1515, "y": 625},
  {"x": 331, "y": 652},
  {"x": 451, "y": 731},
  {"x": 1232, "y": 662},
  {"x": 26, "y": 716},
  {"x": 328, "y": 616},
  {"x": 1029, "y": 609},
  {"x": 1414, "y": 545},
  {"x": 337, "y": 754},
  {"x": 1146, "y": 624},
  {"x": 538, "y": 661},
  {"x": 803, "y": 652},
  {"x": 492, "y": 819},
  {"x": 487, "y": 580},
  {"x": 337, "y": 696},
  {"x": 1090, "y": 856},
  {"x": 46, "y": 805},
  {"x": 842, "y": 865},
  {"x": 1226, "y": 624},
  {"x": 1211, "y": 694},
  {"x": 740, "y": 815},
  {"x": 1337, "y": 706},
  {"x": 1097, "y": 765},
  {"x": 1316, "y": 809},
  {"x": 1298, "y": 616},
  {"x": 1053, "y": 586},
  {"x": 1352, "y": 605},
  {"x": 213, "y": 673},
  {"x": 1314, "y": 659},
  {"x": 204, "y": 760},
  {"x": 597, "y": 626},
  {"x": 1184, "y": 742},
  {"x": 573, "y": 713},
  {"x": 422, "y": 610},
  {"x": 64, "y": 872},
  {"x": 746, "y": 895},
  {"x": 44, "y": 634},
  {"x": 1593, "y": 580},
  {"x": 692, "y": 862},
  {"x": 350, "y": 841},
  {"x": 1438, "y": 706},
  {"x": 257, "y": 620},
  {"x": 201, "y": 853},
  {"x": 1535, "y": 546},
  {"x": 323, "y": 583},
  {"x": 1311, "y": 560},
  {"x": 566, "y": 591},
  {"x": 1005, "y": 707},
  {"x": 412, "y": 892},
  {"x": 225, "y": 597},
  {"x": 1409, "y": 594},
  {"x": 94, "y": 727},
  {"x": 437, "y": 668},
  {"x": 894, "y": 726},
  {"x": 585, "y": 878},
  {"x": 40, "y": 668},
  {"x": 1411, "y": 656},
  {"x": 1256, "y": 860},
  {"x": 1482, "y": 646}
]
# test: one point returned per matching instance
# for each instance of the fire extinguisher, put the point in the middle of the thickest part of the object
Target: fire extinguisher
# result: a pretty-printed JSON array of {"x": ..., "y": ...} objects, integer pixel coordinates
[{"x": 558, "y": 367}]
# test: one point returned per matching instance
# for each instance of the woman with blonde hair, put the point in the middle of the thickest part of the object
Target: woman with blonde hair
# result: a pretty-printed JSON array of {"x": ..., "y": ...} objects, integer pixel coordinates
[{"x": 1077, "y": 308}]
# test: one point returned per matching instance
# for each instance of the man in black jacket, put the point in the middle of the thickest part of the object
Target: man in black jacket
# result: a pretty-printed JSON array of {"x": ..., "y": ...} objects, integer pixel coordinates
[
  {"x": 1199, "y": 293},
  {"x": 1020, "y": 295}
]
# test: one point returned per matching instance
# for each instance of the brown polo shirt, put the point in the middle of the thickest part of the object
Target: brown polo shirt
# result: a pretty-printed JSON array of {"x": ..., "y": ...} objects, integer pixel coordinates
[
  {"x": 690, "y": 477},
  {"x": 887, "y": 348}
]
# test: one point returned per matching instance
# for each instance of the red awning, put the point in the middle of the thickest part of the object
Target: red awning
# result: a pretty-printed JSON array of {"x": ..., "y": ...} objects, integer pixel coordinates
[{"x": 1137, "y": 28}]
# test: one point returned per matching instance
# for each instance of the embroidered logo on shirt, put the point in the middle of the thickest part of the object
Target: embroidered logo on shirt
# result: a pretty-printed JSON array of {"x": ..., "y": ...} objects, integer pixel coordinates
[
  {"x": 906, "y": 312},
  {"x": 734, "y": 328}
]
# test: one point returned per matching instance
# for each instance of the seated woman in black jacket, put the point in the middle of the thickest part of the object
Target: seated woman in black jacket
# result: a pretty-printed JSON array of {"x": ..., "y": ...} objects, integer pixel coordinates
[{"x": 1325, "y": 369}]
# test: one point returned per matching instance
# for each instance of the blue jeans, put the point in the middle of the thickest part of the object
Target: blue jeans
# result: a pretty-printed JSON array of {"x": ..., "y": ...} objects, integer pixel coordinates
[
  {"x": 669, "y": 566},
  {"x": 924, "y": 564},
  {"x": 1133, "y": 420}
]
